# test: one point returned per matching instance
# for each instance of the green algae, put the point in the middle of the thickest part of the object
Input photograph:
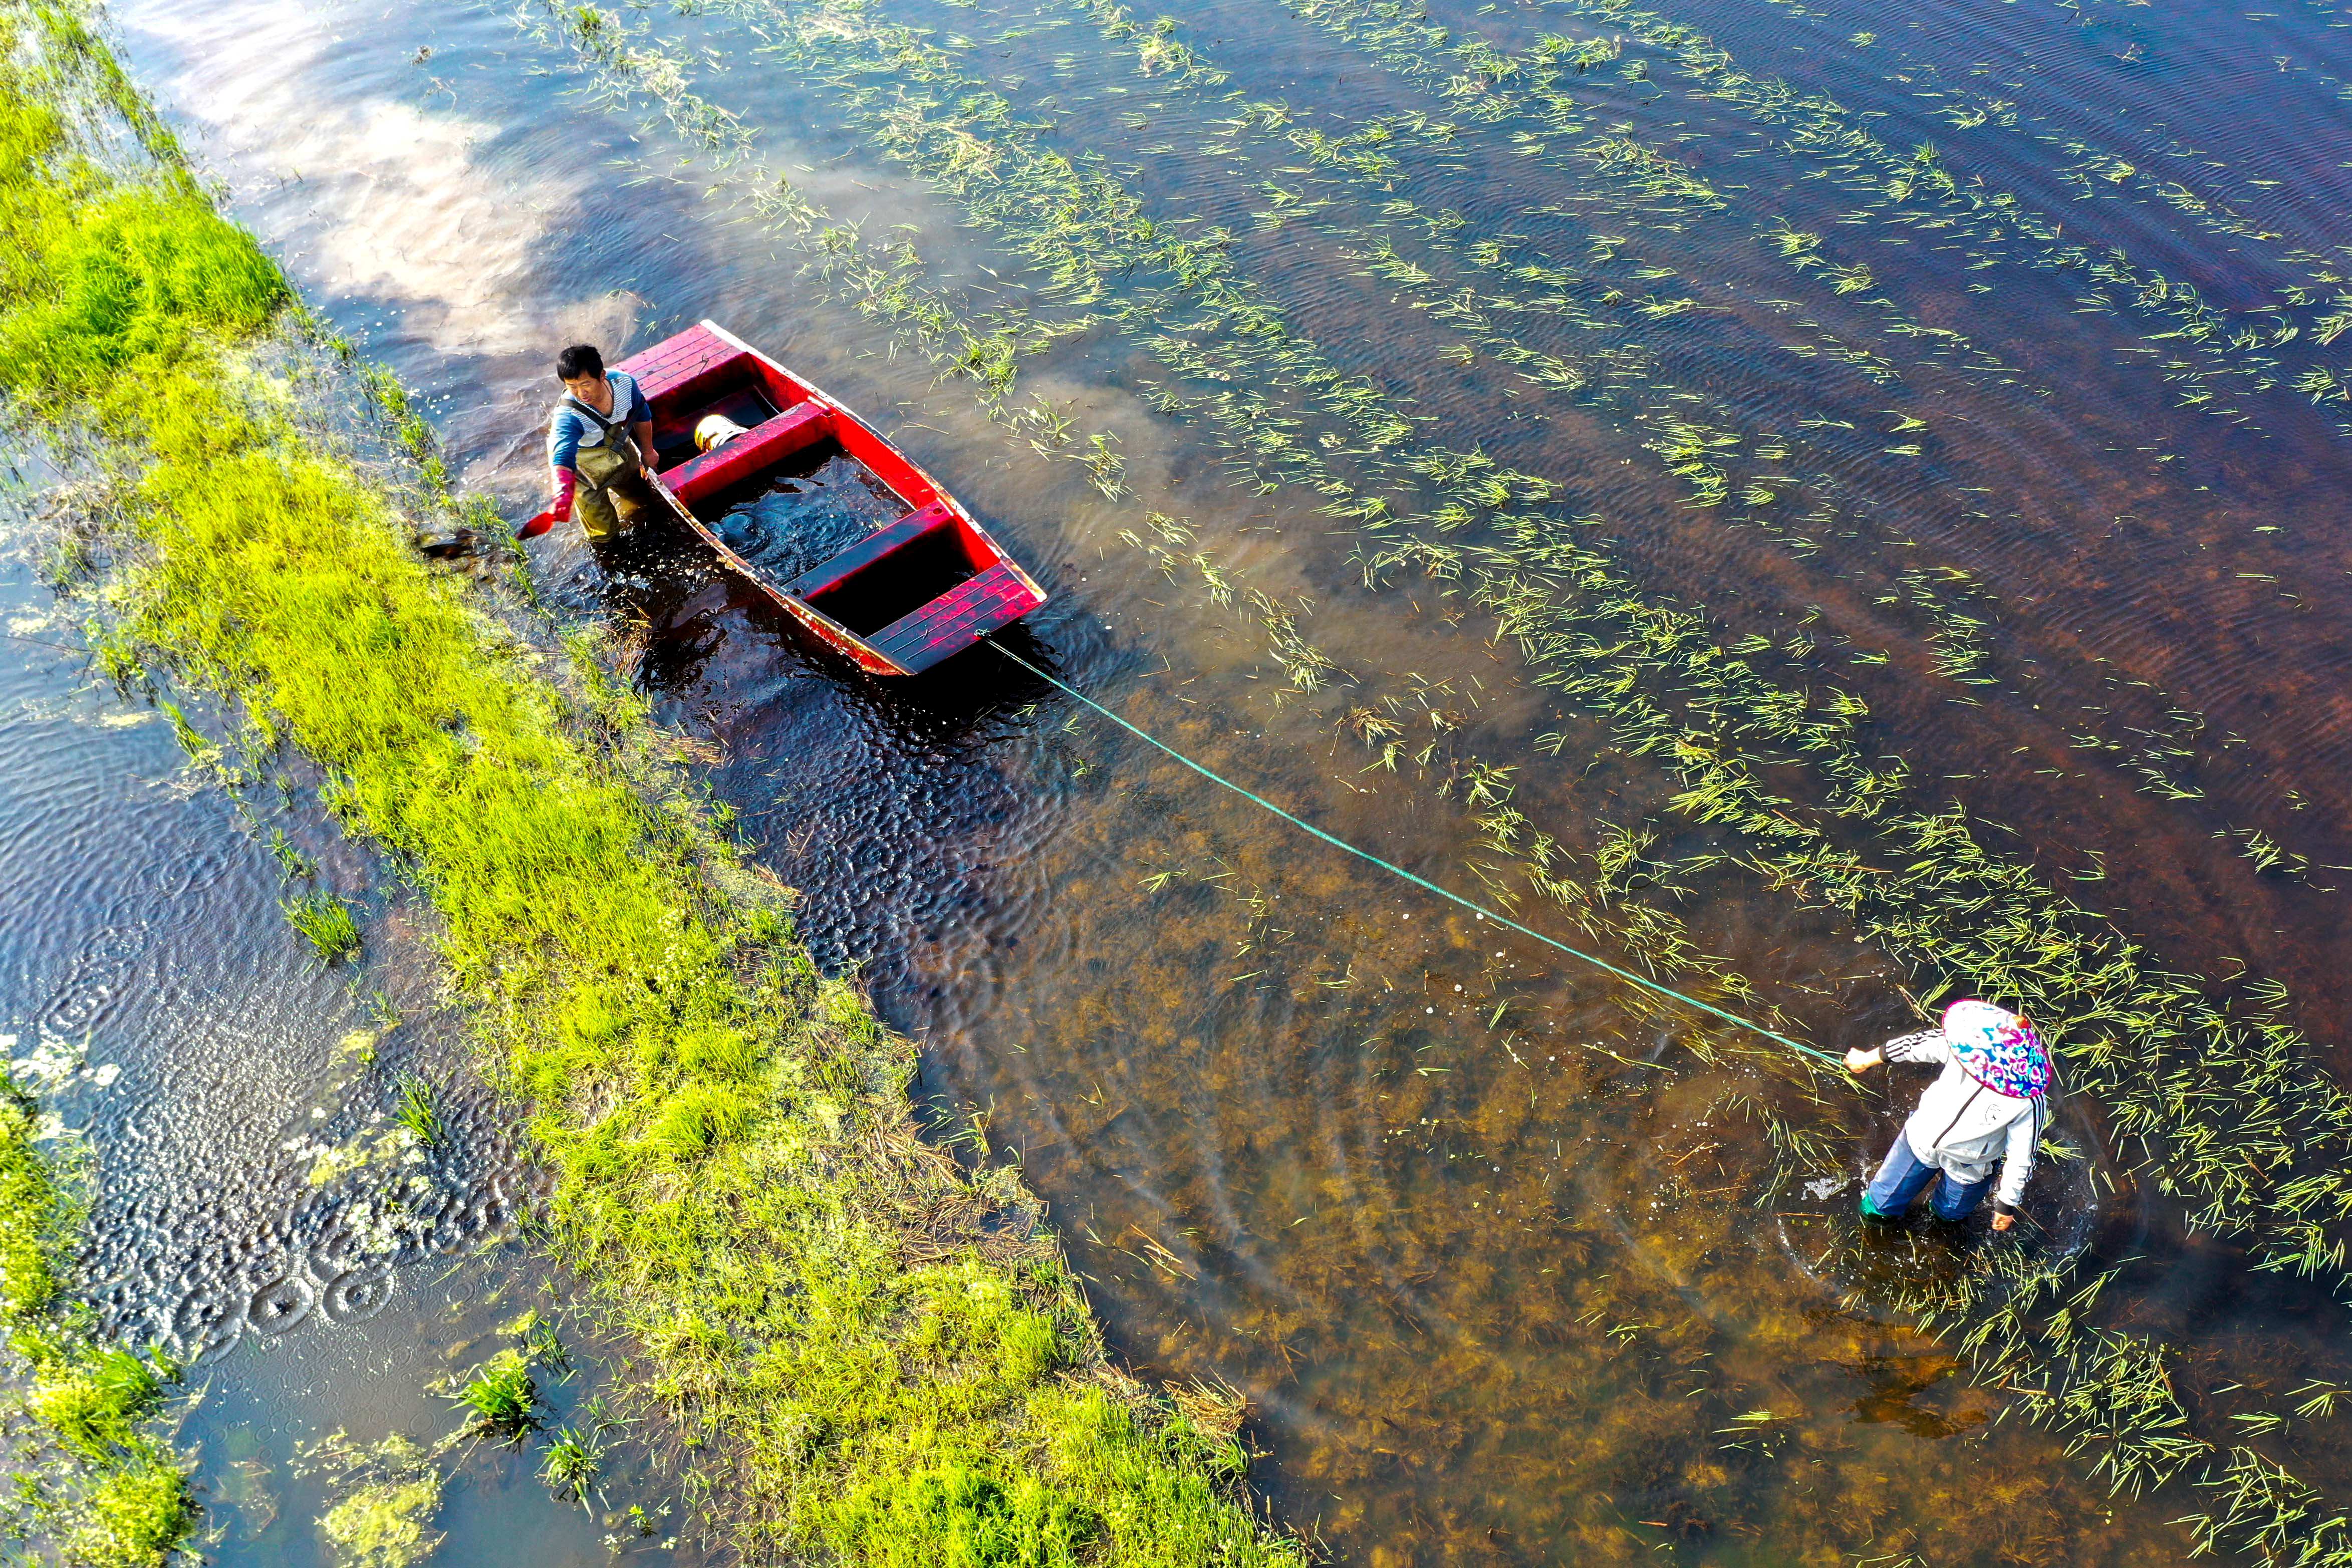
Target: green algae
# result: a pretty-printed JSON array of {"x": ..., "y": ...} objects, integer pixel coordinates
[
  {"x": 390, "y": 1492},
  {"x": 383, "y": 1526}
]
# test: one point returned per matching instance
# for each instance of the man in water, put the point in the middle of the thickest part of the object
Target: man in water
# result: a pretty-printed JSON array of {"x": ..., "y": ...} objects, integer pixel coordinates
[
  {"x": 600, "y": 440},
  {"x": 1990, "y": 1103}
]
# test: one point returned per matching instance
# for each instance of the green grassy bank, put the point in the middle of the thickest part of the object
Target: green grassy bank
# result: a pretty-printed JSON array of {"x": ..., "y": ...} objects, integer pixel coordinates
[{"x": 863, "y": 1369}]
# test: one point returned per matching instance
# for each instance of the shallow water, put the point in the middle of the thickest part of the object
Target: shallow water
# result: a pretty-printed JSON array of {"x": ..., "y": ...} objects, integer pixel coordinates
[{"x": 1503, "y": 1257}]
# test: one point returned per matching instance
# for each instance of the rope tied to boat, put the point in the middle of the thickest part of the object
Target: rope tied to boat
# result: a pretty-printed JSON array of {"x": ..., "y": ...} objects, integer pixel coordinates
[{"x": 1478, "y": 909}]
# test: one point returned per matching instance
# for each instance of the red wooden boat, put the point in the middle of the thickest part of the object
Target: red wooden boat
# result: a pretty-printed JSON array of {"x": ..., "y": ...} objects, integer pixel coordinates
[{"x": 906, "y": 597}]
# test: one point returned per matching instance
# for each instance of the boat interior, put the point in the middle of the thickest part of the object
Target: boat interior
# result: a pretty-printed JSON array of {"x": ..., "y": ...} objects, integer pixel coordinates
[{"x": 914, "y": 590}]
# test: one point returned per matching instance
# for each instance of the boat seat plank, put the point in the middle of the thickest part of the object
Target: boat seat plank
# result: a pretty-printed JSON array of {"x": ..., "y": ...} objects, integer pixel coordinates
[
  {"x": 763, "y": 446},
  {"x": 957, "y": 619},
  {"x": 870, "y": 549},
  {"x": 673, "y": 362}
]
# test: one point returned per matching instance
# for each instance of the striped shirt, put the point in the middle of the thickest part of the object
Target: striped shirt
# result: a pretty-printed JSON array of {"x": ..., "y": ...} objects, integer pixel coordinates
[{"x": 568, "y": 429}]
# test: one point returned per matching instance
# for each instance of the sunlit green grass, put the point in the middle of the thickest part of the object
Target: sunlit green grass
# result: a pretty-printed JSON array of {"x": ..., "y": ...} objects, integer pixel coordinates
[
  {"x": 119, "y": 1497},
  {"x": 419, "y": 1110},
  {"x": 571, "y": 1464}
]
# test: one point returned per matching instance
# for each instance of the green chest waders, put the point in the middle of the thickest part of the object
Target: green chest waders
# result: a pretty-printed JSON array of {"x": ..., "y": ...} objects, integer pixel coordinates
[{"x": 611, "y": 495}]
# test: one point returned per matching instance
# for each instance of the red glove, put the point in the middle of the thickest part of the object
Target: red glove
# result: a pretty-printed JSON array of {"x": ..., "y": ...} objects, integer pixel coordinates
[{"x": 565, "y": 482}]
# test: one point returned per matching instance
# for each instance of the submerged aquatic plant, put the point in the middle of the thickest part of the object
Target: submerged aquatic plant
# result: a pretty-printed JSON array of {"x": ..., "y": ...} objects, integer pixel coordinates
[
  {"x": 1581, "y": 597},
  {"x": 387, "y": 1495},
  {"x": 544, "y": 1347},
  {"x": 384, "y": 1525},
  {"x": 193, "y": 741},
  {"x": 116, "y": 657},
  {"x": 1618, "y": 650},
  {"x": 292, "y": 862}
]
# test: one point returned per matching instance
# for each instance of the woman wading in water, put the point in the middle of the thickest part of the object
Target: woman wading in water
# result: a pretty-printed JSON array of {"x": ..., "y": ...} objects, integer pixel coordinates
[{"x": 1987, "y": 1109}]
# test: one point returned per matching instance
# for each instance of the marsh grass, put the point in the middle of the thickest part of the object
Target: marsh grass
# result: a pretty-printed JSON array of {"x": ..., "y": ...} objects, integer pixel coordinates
[
  {"x": 1593, "y": 635},
  {"x": 544, "y": 1347},
  {"x": 1703, "y": 453},
  {"x": 418, "y": 1108},
  {"x": 1577, "y": 618},
  {"x": 1480, "y": 87},
  {"x": 1903, "y": 186},
  {"x": 291, "y": 862},
  {"x": 863, "y": 1366},
  {"x": 574, "y": 1461},
  {"x": 113, "y": 654},
  {"x": 192, "y": 742},
  {"x": 884, "y": 282},
  {"x": 2221, "y": 1124},
  {"x": 327, "y": 921},
  {"x": 502, "y": 1398},
  {"x": 734, "y": 1167}
]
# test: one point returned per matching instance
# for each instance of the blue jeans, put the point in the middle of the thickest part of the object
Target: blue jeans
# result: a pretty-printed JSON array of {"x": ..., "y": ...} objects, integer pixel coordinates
[{"x": 1902, "y": 1178}]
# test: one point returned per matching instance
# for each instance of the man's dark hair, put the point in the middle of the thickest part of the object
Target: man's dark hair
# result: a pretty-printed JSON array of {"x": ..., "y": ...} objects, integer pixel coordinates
[{"x": 579, "y": 359}]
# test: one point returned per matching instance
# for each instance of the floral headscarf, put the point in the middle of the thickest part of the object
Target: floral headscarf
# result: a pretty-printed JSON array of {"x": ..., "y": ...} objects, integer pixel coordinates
[{"x": 1999, "y": 1048}]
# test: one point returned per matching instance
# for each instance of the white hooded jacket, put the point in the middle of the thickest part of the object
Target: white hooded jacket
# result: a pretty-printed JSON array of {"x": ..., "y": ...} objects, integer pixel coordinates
[{"x": 1962, "y": 1128}]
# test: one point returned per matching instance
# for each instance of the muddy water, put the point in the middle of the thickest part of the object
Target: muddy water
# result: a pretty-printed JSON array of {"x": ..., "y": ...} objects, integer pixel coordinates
[{"x": 1512, "y": 1266}]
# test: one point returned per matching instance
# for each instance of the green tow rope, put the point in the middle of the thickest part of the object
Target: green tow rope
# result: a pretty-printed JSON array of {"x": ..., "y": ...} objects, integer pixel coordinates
[{"x": 1600, "y": 964}]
